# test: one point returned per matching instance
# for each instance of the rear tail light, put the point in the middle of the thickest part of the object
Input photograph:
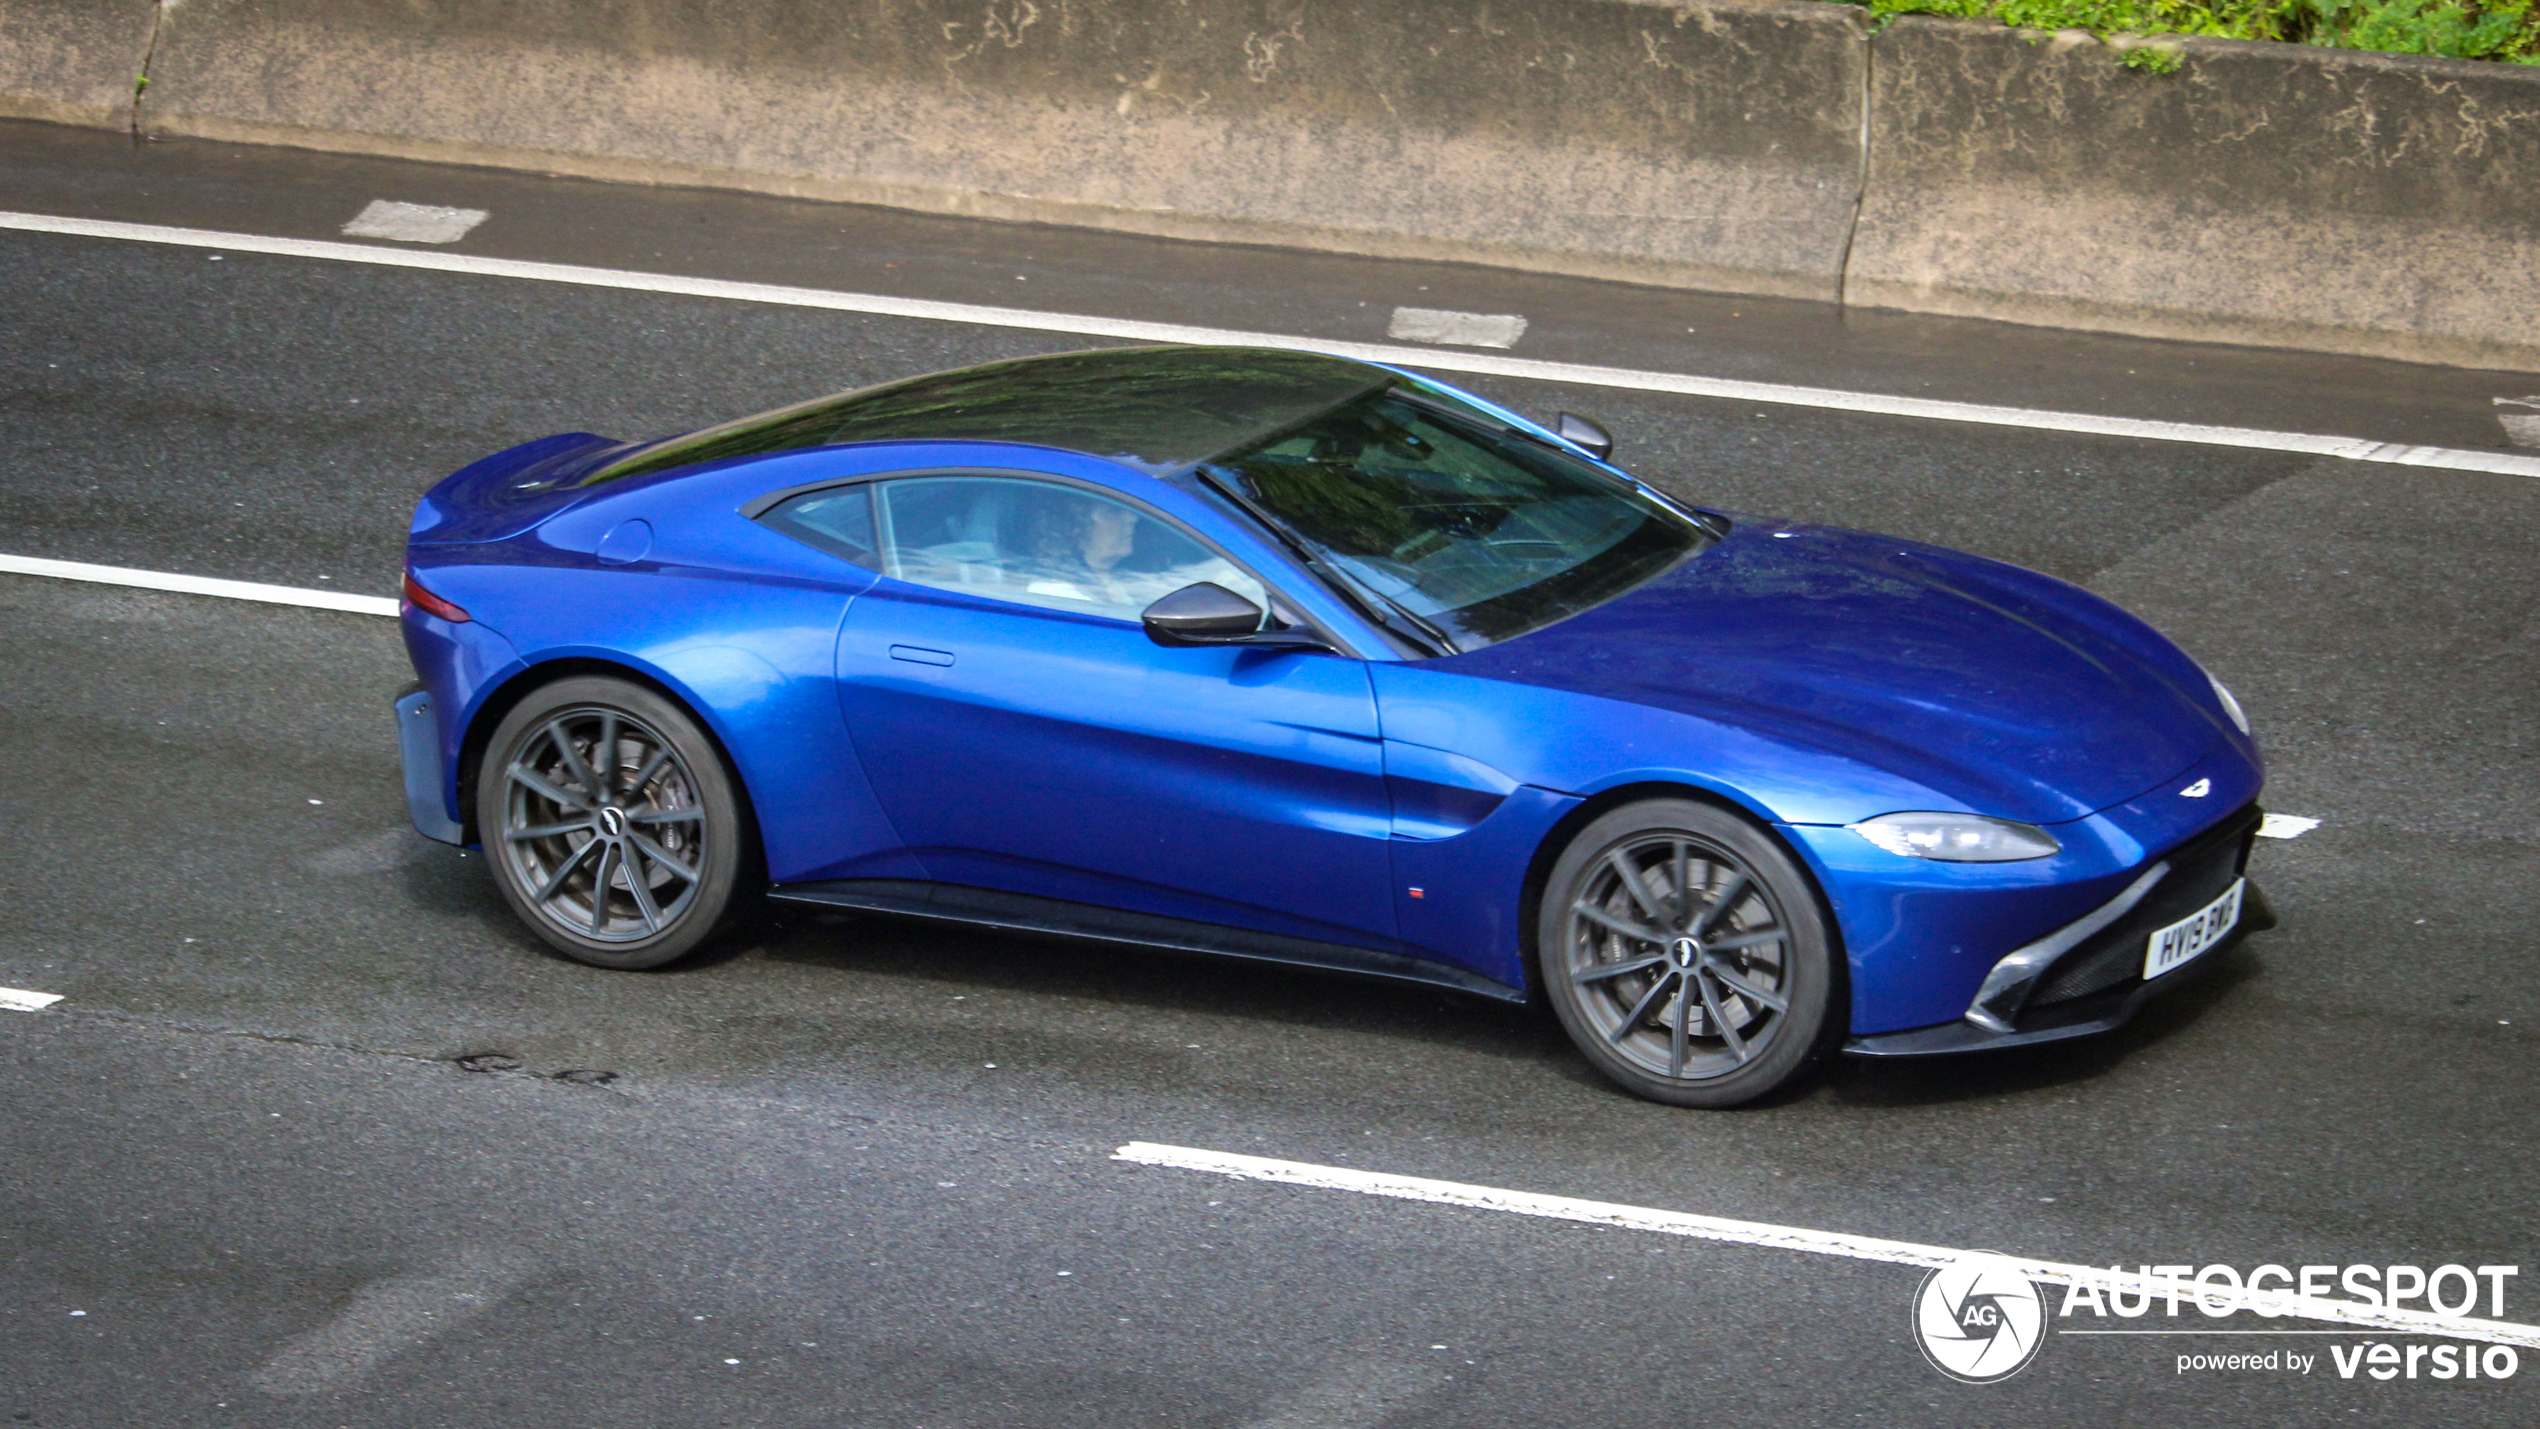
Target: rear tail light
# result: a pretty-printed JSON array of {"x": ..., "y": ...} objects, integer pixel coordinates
[{"x": 429, "y": 603}]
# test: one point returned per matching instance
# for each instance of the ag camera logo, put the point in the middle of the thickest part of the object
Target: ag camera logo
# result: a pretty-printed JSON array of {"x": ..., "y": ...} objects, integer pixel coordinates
[{"x": 1978, "y": 1319}]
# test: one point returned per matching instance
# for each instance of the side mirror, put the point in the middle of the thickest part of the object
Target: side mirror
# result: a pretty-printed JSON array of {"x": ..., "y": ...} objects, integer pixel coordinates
[
  {"x": 1210, "y": 614},
  {"x": 1587, "y": 436},
  {"x": 1202, "y": 614}
]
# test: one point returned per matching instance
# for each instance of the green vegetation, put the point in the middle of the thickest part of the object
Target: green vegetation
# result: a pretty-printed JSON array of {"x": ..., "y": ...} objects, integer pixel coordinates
[{"x": 2507, "y": 30}]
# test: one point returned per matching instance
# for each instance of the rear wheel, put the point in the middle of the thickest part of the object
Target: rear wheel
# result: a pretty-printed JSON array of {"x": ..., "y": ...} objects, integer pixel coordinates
[
  {"x": 613, "y": 827},
  {"x": 1684, "y": 953}
]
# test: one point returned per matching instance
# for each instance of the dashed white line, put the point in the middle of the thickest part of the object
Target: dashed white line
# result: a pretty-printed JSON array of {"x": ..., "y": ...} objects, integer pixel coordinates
[
  {"x": 1437, "y": 359},
  {"x": 197, "y": 585},
  {"x": 2521, "y": 428},
  {"x": 413, "y": 222},
  {"x": 2285, "y": 826},
  {"x": 1459, "y": 329},
  {"x": 18, "y": 999},
  {"x": 1854, "y": 1247}
]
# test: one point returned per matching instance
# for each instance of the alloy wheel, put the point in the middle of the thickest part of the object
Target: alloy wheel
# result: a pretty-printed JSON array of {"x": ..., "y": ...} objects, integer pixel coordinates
[
  {"x": 602, "y": 825},
  {"x": 1679, "y": 956}
]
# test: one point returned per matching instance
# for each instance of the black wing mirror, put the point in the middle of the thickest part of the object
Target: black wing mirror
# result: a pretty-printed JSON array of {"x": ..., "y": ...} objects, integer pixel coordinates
[
  {"x": 1210, "y": 614},
  {"x": 1202, "y": 614},
  {"x": 1587, "y": 436}
]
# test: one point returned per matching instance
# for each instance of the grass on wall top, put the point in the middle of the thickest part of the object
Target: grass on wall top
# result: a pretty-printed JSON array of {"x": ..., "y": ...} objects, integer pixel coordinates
[{"x": 2506, "y": 30}]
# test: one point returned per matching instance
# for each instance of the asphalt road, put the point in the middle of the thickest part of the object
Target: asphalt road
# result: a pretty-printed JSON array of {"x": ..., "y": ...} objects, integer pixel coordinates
[{"x": 320, "y": 1136}]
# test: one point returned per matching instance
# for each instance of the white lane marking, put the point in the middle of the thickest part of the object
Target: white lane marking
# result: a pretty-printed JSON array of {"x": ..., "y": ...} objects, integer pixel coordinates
[
  {"x": 1355, "y": 1393},
  {"x": 18, "y": 999},
  {"x": 1854, "y": 1247},
  {"x": 389, "y": 1316},
  {"x": 2521, "y": 428},
  {"x": 1435, "y": 359},
  {"x": 197, "y": 585},
  {"x": 2285, "y": 826},
  {"x": 413, "y": 222},
  {"x": 1461, "y": 329}
]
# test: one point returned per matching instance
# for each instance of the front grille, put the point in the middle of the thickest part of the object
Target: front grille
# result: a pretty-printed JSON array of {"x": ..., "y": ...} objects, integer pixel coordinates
[{"x": 2199, "y": 872}]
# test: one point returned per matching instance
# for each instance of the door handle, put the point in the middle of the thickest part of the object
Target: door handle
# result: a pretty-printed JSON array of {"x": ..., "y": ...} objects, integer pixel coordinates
[{"x": 920, "y": 655}]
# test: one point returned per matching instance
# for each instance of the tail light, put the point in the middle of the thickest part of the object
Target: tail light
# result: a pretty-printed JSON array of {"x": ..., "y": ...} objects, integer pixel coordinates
[{"x": 430, "y": 604}]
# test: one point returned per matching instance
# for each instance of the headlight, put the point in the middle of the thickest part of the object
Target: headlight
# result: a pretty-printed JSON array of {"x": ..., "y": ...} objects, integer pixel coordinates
[
  {"x": 2230, "y": 706},
  {"x": 1958, "y": 838}
]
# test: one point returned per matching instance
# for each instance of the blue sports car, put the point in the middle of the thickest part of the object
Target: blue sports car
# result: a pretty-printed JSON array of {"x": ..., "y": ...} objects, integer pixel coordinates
[{"x": 1273, "y": 655}]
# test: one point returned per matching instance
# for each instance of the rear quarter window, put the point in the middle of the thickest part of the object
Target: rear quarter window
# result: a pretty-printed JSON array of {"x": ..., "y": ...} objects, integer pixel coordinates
[{"x": 838, "y": 520}]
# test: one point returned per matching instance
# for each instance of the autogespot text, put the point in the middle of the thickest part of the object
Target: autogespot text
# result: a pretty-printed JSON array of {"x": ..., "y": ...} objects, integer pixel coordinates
[{"x": 2446, "y": 1293}]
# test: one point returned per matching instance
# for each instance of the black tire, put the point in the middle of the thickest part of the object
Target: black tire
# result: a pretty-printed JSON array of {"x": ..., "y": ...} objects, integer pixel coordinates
[
  {"x": 1667, "y": 981},
  {"x": 559, "y": 826}
]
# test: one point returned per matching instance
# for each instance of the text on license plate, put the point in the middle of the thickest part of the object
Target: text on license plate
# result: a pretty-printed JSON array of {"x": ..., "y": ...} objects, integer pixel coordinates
[{"x": 2184, "y": 940}]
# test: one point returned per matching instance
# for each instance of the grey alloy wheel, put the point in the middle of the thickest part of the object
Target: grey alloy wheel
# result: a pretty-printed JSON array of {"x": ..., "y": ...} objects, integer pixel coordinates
[
  {"x": 1685, "y": 954},
  {"x": 612, "y": 824}
]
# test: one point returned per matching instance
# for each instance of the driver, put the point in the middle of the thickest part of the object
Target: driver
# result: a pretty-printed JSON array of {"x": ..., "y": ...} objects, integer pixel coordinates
[
  {"x": 1078, "y": 545},
  {"x": 1082, "y": 550}
]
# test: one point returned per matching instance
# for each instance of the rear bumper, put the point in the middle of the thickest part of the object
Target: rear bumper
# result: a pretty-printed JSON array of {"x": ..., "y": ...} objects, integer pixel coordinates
[{"x": 427, "y": 783}]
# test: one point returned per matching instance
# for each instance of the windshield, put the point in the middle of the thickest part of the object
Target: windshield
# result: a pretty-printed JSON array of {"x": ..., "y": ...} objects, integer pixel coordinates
[{"x": 1473, "y": 532}]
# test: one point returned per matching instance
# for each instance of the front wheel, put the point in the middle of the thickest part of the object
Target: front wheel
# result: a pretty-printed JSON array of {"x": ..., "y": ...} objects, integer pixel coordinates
[
  {"x": 613, "y": 827},
  {"x": 1684, "y": 953}
]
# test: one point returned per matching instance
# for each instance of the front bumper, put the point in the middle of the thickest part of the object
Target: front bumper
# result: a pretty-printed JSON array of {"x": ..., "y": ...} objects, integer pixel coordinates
[{"x": 2083, "y": 978}]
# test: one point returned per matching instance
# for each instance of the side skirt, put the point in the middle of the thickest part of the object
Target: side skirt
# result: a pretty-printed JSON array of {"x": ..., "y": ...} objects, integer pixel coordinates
[{"x": 1053, "y": 918}]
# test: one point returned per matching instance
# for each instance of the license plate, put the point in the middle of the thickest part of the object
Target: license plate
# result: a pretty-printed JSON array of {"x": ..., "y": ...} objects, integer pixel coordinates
[{"x": 2191, "y": 936}]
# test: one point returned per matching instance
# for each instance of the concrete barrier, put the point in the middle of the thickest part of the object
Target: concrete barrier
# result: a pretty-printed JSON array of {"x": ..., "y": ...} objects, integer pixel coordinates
[
  {"x": 2275, "y": 194},
  {"x": 1697, "y": 143},
  {"x": 2271, "y": 194},
  {"x": 73, "y": 61}
]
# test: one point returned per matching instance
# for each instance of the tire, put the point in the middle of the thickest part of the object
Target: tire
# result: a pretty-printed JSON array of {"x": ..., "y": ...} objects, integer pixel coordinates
[
  {"x": 1671, "y": 996},
  {"x": 670, "y": 810}
]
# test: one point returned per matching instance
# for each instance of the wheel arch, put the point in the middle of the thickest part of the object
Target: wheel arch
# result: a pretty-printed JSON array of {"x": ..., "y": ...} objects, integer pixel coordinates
[
  {"x": 1565, "y": 829},
  {"x": 507, "y": 696}
]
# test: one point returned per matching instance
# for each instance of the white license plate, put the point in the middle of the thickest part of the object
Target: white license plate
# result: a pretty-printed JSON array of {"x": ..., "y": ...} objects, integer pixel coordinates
[{"x": 2186, "y": 939}]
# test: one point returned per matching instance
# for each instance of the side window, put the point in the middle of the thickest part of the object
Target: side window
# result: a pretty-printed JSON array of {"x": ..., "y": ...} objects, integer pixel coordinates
[
  {"x": 1039, "y": 543},
  {"x": 838, "y": 520}
]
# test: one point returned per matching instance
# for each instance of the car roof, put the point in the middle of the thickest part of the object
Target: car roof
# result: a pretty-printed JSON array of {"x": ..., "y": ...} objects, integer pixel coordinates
[{"x": 1156, "y": 409}]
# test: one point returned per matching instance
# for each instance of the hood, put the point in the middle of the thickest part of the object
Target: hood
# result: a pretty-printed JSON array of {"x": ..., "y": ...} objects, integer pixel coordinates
[{"x": 2014, "y": 693}]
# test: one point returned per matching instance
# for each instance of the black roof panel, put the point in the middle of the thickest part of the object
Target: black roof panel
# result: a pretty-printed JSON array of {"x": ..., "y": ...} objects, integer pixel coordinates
[{"x": 1158, "y": 409}]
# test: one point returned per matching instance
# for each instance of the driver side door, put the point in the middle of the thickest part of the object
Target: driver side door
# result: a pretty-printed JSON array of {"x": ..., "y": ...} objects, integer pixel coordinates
[{"x": 1024, "y": 734}]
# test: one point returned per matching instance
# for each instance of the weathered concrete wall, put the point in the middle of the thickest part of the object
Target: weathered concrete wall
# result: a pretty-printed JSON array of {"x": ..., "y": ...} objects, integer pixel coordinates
[
  {"x": 2325, "y": 199},
  {"x": 73, "y": 61},
  {"x": 1694, "y": 143},
  {"x": 2269, "y": 194}
]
